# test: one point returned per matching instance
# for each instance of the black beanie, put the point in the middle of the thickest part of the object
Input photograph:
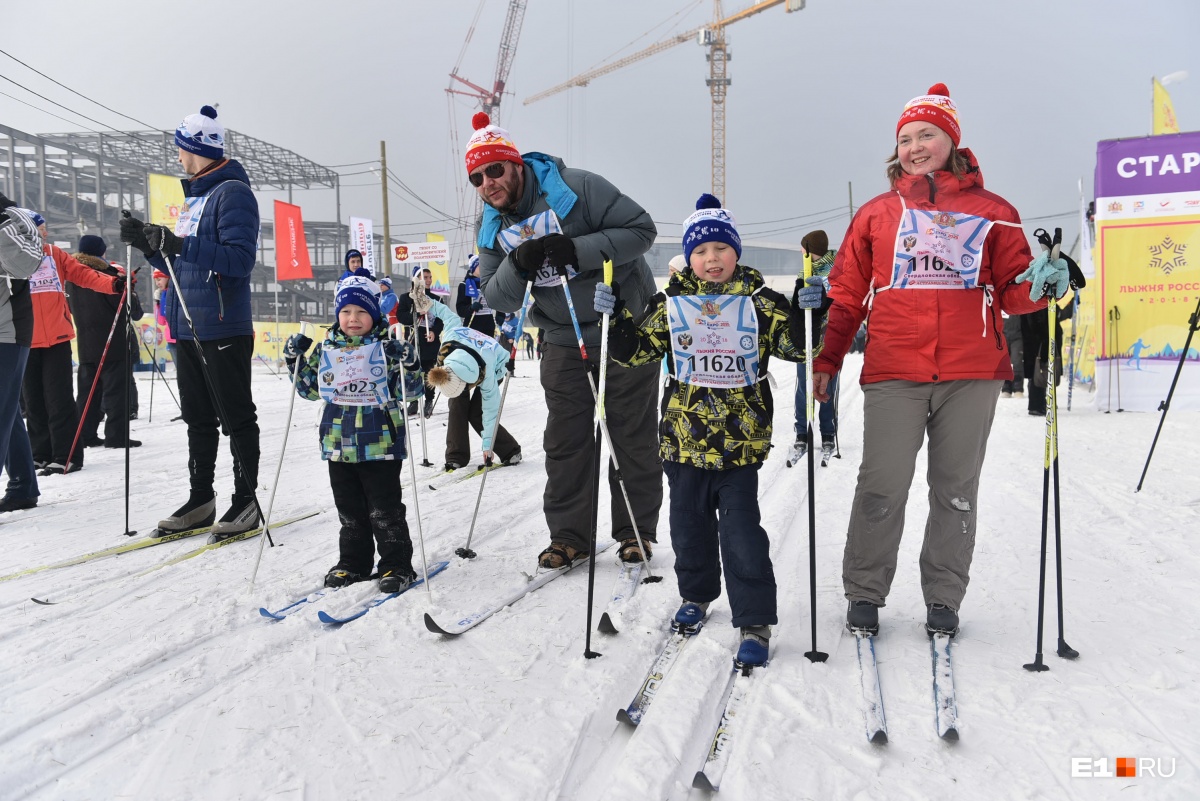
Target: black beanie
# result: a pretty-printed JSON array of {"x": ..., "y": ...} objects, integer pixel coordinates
[
  {"x": 816, "y": 243},
  {"x": 92, "y": 245}
]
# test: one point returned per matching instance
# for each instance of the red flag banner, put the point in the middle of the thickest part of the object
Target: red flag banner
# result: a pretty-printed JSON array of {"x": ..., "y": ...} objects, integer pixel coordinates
[{"x": 291, "y": 249}]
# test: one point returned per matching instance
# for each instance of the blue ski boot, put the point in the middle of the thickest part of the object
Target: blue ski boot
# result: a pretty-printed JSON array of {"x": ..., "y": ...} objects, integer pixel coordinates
[
  {"x": 689, "y": 617},
  {"x": 756, "y": 642}
]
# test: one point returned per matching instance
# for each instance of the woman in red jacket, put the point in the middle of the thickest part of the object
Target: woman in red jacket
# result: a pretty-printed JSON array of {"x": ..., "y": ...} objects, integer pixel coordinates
[
  {"x": 930, "y": 264},
  {"x": 49, "y": 399}
]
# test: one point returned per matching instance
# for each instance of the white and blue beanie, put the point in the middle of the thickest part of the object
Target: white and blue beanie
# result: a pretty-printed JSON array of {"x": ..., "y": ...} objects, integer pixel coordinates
[
  {"x": 357, "y": 289},
  {"x": 202, "y": 134},
  {"x": 710, "y": 223}
]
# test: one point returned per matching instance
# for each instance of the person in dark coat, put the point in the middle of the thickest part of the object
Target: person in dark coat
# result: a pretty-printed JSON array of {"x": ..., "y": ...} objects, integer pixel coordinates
[
  {"x": 210, "y": 257},
  {"x": 94, "y": 315},
  {"x": 428, "y": 336}
]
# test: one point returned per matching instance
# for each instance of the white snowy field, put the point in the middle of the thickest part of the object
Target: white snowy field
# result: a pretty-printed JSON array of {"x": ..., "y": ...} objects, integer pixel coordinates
[{"x": 170, "y": 685}]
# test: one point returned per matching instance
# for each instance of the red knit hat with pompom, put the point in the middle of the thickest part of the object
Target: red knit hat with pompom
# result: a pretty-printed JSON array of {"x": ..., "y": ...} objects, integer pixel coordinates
[
  {"x": 936, "y": 108},
  {"x": 489, "y": 143}
]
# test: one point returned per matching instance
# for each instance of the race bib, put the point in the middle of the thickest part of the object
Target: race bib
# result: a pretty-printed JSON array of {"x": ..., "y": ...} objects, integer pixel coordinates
[
  {"x": 45, "y": 279},
  {"x": 537, "y": 226},
  {"x": 481, "y": 342},
  {"x": 938, "y": 250},
  {"x": 473, "y": 292},
  {"x": 192, "y": 211},
  {"x": 714, "y": 340},
  {"x": 354, "y": 376}
]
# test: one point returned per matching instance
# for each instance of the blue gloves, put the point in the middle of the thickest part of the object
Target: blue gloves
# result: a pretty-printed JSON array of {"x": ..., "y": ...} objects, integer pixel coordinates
[
  {"x": 1045, "y": 276},
  {"x": 608, "y": 299},
  {"x": 812, "y": 294},
  {"x": 398, "y": 350},
  {"x": 297, "y": 345}
]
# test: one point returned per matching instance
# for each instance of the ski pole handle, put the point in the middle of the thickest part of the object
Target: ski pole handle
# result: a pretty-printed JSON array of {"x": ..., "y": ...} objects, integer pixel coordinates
[{"x": 608, "y": 272}]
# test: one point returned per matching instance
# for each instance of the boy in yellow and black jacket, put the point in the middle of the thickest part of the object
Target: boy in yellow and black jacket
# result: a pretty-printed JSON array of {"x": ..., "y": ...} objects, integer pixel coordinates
[{"x": 718, "y": 324}]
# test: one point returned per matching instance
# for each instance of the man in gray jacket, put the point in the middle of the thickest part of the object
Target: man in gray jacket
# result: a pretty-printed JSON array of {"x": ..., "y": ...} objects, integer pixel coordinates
[
  {"x": 20, "y": 256},
  {"x": 542, "y": 221}
]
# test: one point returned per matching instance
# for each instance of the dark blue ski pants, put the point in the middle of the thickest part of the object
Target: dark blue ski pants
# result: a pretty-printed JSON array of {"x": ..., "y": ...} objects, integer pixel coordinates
[
  {"x": 715, "y": 516},
  {"x": 14, "y": 440}
]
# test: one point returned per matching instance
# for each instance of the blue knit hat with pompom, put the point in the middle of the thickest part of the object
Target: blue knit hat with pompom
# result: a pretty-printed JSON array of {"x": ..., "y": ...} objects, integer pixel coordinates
[
  {"x": 710, "y": 223},
  {"x": 358, "y": 289},
  {"x": 202, "y": 134}
]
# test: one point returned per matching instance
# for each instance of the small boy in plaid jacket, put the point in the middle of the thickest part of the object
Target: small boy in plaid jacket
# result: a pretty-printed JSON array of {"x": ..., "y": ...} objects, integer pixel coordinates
[{"x": 356, "y": 371}]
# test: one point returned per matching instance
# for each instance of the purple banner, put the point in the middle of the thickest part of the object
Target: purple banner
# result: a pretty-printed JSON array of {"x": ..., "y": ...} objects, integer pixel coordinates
[{"x": 1149, "y": 165}]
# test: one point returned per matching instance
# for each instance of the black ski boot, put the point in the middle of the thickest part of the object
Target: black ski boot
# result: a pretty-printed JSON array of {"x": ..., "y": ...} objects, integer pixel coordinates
[
  {"x": 340, "y": 577},
  {"x": 396, "y": 580},
  {"x": 941, "y": 620},
  {"x": 863, "y": 616}
]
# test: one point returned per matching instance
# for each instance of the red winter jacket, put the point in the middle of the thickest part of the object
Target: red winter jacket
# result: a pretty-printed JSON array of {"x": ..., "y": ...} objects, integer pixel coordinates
[
  {"x": 927, "y": 334},
  {"x": 52, "y": 321}
]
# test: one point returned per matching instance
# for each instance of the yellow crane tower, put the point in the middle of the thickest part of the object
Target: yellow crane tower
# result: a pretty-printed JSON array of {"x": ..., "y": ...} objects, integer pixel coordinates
[{"x": 711, "y": 36}]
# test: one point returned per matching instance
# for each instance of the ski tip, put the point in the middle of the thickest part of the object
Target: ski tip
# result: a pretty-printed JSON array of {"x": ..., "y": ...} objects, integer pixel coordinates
[
  {"x": 326, "y": 618},
  {"x": 951, "y": 736},
  {"x": 267, "y": 613},
  {"x": 606, "y": 625},
  {"x": 432, "y": 625},
  {"x": 624, "y": 716},
  {"x": 879, "y": 738},
  {"x": 701, "y": 782},
  {"x": 43, "y": 602}
]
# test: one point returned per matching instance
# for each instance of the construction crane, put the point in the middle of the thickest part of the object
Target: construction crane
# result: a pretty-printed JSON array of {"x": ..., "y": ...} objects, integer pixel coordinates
[
  {"x": 489, "y": 101},
  {"x": 711, "y": 36}
]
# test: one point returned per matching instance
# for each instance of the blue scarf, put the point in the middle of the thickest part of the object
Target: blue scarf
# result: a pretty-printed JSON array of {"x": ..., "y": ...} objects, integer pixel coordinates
[{"x": 559, "y": 196}]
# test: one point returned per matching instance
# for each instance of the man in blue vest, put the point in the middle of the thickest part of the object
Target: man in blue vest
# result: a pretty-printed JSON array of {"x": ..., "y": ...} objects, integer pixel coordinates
[{"x": 212, "y": 252}]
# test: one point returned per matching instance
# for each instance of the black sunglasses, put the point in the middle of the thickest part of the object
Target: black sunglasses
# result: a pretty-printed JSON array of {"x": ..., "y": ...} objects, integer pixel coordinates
[{"x": 495, "y": 171}]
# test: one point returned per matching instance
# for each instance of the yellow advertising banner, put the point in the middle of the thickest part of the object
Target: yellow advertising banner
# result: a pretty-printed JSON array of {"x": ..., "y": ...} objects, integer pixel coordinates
[
  {"x": 166, "y": 199},
  {"x": 1164, "y": 111},
  {"x": 440, "y": 269}
]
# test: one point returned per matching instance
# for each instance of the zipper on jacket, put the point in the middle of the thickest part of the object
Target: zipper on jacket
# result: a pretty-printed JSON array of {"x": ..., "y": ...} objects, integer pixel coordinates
[
  {"x": 220, "y": 298},
  {"x": 932, "y": 186}
]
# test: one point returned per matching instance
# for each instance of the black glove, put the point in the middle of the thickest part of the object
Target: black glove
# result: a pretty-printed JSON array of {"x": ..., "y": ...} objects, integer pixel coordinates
[
  {"x": 529, "y": 257},
  {"x": 512, "y": 366},
  {"x": 133, "y": 233},
  {"x": 560, "y": 252},
  {"x": 161, "y": 239},
  {"x": 118, "y": 285},
  {"x": 476, "y": 306},
  {"x": 398, "y": 350},
  {"x": 5, "y": 203},
  {"x": 296, "y": 345}
]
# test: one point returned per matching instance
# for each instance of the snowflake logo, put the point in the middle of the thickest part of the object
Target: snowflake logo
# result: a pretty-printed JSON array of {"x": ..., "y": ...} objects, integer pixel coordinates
[{"x": 1168, "y": 255}]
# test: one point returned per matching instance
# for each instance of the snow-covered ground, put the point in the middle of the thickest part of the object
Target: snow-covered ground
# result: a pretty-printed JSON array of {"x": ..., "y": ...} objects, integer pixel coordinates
[{"x": 170, "y": 685}]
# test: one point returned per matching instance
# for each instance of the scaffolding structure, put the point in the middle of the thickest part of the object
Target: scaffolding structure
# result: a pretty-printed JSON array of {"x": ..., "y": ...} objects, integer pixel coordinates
[{"x": 80, "y": 182}]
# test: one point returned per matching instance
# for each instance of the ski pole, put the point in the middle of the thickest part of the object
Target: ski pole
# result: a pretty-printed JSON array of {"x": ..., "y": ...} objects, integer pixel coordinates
[
  {"x": 1193, "y": 325},
  {"x": 127, "y": 372},
  {"x": 814, "y": 655},
  {"x": 158, "y": 371},
  {"x": 270, "y": 369},
  {"x": 287, "y": 428},
  {"x": 465, "y": 552},
  {"x": 603, "y": 428},
  {"x": 153, "y": 360},
  {"x": 602, "y": 415},
  {"x": 1074, "y": 360},
  {"x": 413, "y": 471},
  {"x": 219, "y": 405},
  {"x": 95, "y": 380},
  {"x": 1109, "y": 331},
  {"x": 1117, "y": 337}
]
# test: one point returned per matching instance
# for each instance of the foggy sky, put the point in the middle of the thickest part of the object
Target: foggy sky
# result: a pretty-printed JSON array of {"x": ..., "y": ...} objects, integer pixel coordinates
[{"x": 813, "y": 104}]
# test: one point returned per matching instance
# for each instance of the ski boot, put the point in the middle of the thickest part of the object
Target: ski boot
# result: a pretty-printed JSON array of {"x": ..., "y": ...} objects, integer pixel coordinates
[
  {"x": 199, "y": 511},
  {"x": 690, "y": 617},
  {"x": 396, "y": 580},
  {"x": 941, "y": 620},
  {"x": 756, "y": 643},
  {"x": 241, "y": 517},
  {"x": 798, "y": 451},
  {"x": 340, "y": 577},
  {"x": 862, "y": 616},
  {"x": 826, "y": 450}
]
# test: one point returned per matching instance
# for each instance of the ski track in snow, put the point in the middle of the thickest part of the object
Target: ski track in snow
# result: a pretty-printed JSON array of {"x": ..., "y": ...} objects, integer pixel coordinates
[{"x": 171, "y": 686}]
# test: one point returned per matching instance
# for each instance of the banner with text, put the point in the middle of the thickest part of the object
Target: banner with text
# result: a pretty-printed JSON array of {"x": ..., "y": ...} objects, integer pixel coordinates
[
  {"x": 362, "y": 239},
  {"x": 291, "y": 250},
  {"x": 440, "y": 267},
  {"x": 166, "y": 199},
  {"x": 1147, "y": 256}
]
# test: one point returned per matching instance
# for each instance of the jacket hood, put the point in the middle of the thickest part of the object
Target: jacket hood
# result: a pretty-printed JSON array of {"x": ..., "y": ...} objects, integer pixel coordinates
[
  {"x": 229, "y": 171},
  {"x": 745, "y": 281},
  {"x": 922, "y": 187},
  {"x": 99, "y": 265}
]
